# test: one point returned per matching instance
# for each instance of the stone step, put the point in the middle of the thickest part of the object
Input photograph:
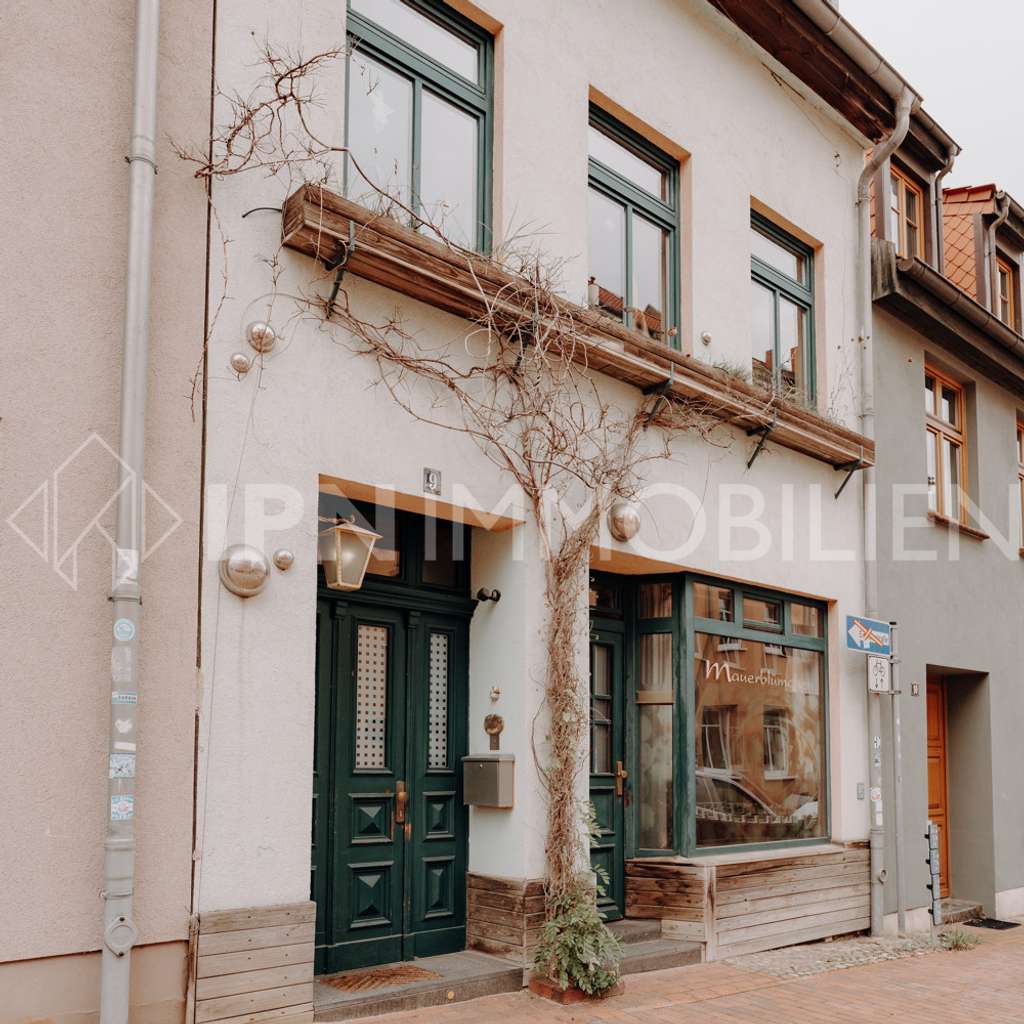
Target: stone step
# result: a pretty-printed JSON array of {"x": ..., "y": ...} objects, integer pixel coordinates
[
  {"x": 960, "y": 911},
  {"x": 659, "y": 955}
]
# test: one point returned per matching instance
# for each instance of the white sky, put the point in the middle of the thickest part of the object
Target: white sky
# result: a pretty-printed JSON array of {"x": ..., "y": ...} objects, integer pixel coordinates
[{"x": 966, "y": 58}]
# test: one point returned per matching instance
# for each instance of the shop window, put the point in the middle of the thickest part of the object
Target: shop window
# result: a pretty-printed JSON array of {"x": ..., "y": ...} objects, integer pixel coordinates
[
  {"x": 711, "y": 602},
  {"x": 633, "y": 229},
  {"x": 655, "y": 699},
  {"x": 654, "y": 600},
  {"x": 760, "y": 719},
  {"x": 418, "y": 119},
  {"x": 945, "y": 449},
  {"x": 782, "y": 312},
  {"x": 906, "y": 214}
]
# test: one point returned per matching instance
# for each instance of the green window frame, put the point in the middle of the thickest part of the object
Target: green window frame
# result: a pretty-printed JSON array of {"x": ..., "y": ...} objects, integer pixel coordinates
[
  {"x": 746, "y": 604},
  {"x": 429, "y": 77},
  {"x": 784, "y": 288},
  {"x": 661, "y": 212}
]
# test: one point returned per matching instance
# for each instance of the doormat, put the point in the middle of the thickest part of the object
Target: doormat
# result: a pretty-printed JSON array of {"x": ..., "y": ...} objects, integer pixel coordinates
[
  {"x": 379, "y": 977},
  {"x": 991, "y": 922}
]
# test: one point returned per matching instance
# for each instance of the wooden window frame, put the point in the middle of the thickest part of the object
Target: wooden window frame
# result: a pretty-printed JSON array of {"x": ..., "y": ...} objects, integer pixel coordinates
[
  {"x": 424, "y": 72},
  {"x": 783, "y": 286},
  {"x": 905, "y": 187},
  {"x": 938, "y": 429},
  {"x": 1006, "y": 266},
  {"x": 663, "y": 214}
]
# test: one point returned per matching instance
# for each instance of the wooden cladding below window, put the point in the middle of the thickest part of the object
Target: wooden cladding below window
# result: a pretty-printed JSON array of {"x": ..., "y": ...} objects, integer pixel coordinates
[
  {"x": 255, "y": 964},
  {"x": 504, "y": 915},
  {"x": 327, "y": 227},
  {"x": 748, "y": 902}
]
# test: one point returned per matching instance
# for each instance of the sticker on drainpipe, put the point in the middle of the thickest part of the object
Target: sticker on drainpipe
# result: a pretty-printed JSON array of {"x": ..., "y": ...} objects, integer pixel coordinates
[
  {"x": 124, "y": 630},
  {"x": 122, "y": 807}
]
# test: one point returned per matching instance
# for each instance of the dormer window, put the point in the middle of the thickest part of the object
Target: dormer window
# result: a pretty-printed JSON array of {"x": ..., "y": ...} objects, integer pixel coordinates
[
  {"x": 906, "y": 214},
  {"x": 1006, "y": 291}
]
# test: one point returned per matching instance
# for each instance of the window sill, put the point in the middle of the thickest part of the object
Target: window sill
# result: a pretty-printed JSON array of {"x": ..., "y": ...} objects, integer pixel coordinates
[
  {"x": 953, "y": 524},
  {"x": 320, "y": 224}
]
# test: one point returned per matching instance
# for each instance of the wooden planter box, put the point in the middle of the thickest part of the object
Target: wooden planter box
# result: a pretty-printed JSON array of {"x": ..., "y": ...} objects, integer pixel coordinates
[{"x": 548, "y": 989}]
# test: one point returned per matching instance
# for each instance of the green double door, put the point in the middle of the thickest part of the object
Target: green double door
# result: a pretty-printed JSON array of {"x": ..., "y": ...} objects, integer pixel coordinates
[
  {"x": 609, "y": 779},
  {"x": 389, "y": 826}
]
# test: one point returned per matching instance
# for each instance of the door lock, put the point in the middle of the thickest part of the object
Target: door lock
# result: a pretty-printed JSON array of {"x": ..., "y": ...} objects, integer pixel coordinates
[
  {"x": 620, "y": 777},
  {"x": 401, "y": 802}
]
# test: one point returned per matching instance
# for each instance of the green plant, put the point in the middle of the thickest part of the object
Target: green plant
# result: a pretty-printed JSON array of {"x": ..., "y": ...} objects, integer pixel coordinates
[
  {"x": 731, "y": 369},
  {"x": 576, "y": 947},
  {"x": 956, "y": 939}
]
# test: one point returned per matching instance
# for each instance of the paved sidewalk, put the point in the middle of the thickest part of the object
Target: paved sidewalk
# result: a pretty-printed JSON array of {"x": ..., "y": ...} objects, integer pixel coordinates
[{"x": 984, "y": 985}]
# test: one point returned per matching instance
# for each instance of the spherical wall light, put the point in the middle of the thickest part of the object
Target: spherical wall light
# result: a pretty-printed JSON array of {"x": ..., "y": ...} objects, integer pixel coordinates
[
  {"x": 244, "y": 570},
  {"x": 261, "y": 336},
  {"x": 623, "y": 520},
  {"x": 240, "y": 363}
]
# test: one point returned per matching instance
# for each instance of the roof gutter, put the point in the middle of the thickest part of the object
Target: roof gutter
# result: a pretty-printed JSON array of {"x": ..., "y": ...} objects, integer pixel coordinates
[{"x": 991, "y": 269}]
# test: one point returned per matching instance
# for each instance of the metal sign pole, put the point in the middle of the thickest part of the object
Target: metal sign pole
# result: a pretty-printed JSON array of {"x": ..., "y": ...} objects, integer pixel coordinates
[{"x": 897, "y": 773}]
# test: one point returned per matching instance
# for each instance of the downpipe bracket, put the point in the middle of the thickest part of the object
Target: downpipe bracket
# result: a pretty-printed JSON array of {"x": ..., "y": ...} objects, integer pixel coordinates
[{"x": 120, "y": 935}]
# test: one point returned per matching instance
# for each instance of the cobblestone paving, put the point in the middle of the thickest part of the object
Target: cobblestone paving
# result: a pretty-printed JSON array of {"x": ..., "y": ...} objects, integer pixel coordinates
[{"x": 800, "y": 961}]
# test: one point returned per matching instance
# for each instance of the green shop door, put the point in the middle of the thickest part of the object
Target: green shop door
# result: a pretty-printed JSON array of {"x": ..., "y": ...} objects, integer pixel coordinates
[
  {"x": 389, "y": 827},
  {"x": 608, "y": 776}
]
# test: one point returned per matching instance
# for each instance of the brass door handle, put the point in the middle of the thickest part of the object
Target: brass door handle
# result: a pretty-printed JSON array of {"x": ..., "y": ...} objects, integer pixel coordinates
[
  {"x": 401, "y": 803},
  {"x": 620, "y": 777}
]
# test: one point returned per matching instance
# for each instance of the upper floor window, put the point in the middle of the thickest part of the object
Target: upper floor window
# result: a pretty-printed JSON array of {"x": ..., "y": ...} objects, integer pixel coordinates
[
  {"x": 1006, "y": 291},
  {"x": 782, "y": 286},
  {"x": 1020, "y": 477},
  {"x": 418, "y": 124},
  {"x": 946, "y": 449},
  {"x": 906, "y": 214},
  {"x": 633, "y": 213}
]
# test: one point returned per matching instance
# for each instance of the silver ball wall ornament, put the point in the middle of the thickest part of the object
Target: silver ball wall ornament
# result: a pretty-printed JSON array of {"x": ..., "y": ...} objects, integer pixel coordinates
[
  {"x": 240, "y": 363},
  {"x": 244, "y": 570},
  {"x": 283, "y": 559},
  {"x": 623, "y": 520},
  {"x": 261, "y": 336}
]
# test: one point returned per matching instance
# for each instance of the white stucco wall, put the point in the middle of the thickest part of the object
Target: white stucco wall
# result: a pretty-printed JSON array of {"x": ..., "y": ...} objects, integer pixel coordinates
[
  {"x": 685, "y": 72},
  {"x": 67, "y": 77}
]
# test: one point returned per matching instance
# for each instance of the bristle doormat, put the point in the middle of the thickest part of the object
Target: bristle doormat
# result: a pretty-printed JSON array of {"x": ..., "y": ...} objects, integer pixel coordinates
[
  {"x": 379, "y": 977},
  {"x": 991, "y": 922}
]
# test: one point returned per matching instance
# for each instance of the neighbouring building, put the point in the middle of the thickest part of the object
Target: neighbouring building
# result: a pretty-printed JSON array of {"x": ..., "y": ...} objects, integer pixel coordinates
[{"x": 301, "y": 806}]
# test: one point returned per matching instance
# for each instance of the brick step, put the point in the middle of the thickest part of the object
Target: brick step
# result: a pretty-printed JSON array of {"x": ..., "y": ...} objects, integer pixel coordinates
[{"x": 659, "y": 955}]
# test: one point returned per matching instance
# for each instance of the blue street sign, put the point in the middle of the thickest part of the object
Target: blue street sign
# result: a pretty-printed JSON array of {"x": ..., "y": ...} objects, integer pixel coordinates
[{"x": 868, "y": 636}]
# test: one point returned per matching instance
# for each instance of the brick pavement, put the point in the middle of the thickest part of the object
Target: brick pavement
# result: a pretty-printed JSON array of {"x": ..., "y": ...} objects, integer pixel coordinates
[{"x": 984, "y": 985}]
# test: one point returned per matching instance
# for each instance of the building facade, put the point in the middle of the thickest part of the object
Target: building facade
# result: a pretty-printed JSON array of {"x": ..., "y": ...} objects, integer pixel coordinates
[{"x": 303, "y": 805}]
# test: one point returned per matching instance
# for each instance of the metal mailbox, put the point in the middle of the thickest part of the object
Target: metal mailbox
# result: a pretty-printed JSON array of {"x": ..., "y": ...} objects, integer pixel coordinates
[{"x": 488, "y": 780}]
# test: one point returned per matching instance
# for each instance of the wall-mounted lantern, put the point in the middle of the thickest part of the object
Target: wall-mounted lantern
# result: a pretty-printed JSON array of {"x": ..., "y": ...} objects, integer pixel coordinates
[{"x": 345, "y": 551}]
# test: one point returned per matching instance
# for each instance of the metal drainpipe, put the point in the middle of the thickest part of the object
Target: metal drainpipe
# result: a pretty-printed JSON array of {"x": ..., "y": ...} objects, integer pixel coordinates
[
  {"x": 1002, "y": 212},
  {"x": 939, "y": 243},
  {"x": 119, "y": 932},
  {"x": 878, "y": 157}
]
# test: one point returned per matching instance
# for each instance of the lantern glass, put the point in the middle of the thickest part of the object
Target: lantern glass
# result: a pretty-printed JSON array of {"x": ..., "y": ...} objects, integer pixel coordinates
[{"x": 345, "y": 551}]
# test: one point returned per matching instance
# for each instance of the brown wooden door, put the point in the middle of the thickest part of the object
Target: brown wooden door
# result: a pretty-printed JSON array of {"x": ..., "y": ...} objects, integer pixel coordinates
[{"x": 938, "y": 801}]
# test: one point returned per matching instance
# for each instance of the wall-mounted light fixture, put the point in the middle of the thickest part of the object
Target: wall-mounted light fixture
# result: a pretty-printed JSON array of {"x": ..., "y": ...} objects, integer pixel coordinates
[
  {"x": 623, "y": 520},
  {"x": 261, "y": 336},
  {"x": 244, "y": 570},
  {"x": 345, "y": 551}
]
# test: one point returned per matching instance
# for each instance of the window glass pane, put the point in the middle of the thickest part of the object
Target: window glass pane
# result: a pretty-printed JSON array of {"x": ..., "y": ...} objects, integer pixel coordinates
[
  {"x": 713, "y": 602},
  {"x": 656, "y": 667},
  {"x": 950, "y": 478},
  {"x": 759, "y": 613},
  {"x": 806, "y": 620},
  {"x": 778, "y": 256},
  {"x": 929, "y": 395},
  {"x": 772, "y": 788},
  {"x": 420, "y": 31},
  {"x": 654, "y": 600},
  {"x": 605, "y": 596},
  {"x": 448, "y": 169},
  {"x": 894, "y": 212},
  {"x": 762, "y": 335},
  {"x": 650, "y": 278},
  {"x": 371, "y": 696},
  {"x": 627, "y": 163},
  {"x": 379, "y": 133},
  {"x": 654, "y": 788},
  {"x": 931, "y": 440},
  {"x": 913, "y": 240},
  {"x": 607, "y": 253},
  {"x": 792, "y": 343},
  {"x": 437, "y": 702},
  {"x": 444, "y": 548},
  {"x": 601, "y": 677},
  {"x": 949, "y": 408}
]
